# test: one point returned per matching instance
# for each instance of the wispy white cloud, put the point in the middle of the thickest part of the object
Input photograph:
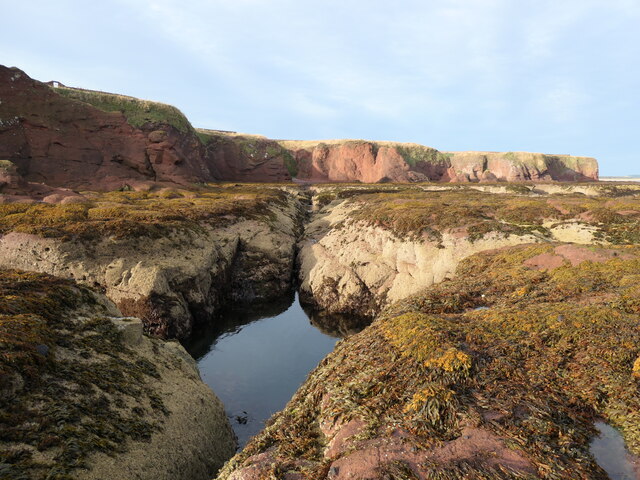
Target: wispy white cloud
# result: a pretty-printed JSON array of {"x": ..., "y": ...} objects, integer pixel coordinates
[{"x": 466, "y": 70}]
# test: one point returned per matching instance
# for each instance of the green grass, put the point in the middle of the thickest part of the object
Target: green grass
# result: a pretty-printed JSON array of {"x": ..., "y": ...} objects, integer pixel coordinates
[{"x": 138, "y": 112}]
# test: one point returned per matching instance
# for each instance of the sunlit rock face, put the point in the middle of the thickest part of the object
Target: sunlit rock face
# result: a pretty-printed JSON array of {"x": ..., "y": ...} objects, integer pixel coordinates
[{"x": 57, "y": 137}]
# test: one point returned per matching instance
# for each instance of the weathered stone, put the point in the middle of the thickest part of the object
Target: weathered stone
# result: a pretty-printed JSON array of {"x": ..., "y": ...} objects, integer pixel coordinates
[{"x": 130, "y": 328}]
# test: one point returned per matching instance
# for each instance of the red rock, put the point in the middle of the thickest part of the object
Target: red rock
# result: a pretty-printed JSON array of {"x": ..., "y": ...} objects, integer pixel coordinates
[
  {"x": 247, "y": 159},
  {"x": 63, "y": 142}
]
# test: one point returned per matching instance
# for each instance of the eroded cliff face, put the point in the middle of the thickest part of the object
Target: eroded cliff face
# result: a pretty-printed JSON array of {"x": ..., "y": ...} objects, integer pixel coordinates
[
  {"x": 361, "y": 161},
  {"x": 520, "y": 167},
  {"x": 372, "y": 162},
  {"x": 247, "y": 158},
  {"x": 367, "y": 248},
  {"x": 85, "y": 395},
  {"x": 64, "y": 141},
  {"x": 176, "y": 277},
  {"x": 71, "y": 138}
]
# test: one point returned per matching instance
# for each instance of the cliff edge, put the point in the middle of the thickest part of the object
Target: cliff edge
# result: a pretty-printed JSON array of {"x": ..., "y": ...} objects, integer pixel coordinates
[{"x": 55, "y": 137}]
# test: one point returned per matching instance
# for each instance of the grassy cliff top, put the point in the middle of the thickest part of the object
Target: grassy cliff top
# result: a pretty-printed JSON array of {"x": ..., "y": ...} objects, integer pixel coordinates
[
  {"x": 528, "y": 158},
  {"x": 310, "y": 144},
  {"x": 515, "y": 155},
  {"x": 154, "y": 214},
  {"x": 138, "y": 112},
  {"x": 526, "y": 356},
  {"x": 228, "y": 134}
]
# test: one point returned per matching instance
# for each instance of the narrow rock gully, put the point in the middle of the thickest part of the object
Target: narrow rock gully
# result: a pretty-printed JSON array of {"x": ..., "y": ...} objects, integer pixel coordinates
[{"x": 254, "y": 356}]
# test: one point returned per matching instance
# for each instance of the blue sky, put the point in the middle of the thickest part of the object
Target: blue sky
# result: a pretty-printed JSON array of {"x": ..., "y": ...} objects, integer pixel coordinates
[{"x": 558, "y": 76}]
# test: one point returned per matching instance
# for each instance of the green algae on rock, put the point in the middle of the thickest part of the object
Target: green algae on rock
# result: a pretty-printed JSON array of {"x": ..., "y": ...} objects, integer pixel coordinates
[
  {"x": 171, "y": 256},
  {"x": 77, "y": 383}
]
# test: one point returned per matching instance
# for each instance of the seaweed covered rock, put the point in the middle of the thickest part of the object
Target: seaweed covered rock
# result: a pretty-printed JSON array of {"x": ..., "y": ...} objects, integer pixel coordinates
[
  {"x": 368, "y": 247},
  {"x": 498, "y": 373},
  {"x": 83, "y": 394},
  {"x": 170, "y": 257}
]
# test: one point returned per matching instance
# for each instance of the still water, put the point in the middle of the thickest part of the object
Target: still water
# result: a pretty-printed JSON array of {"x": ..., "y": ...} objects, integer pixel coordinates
[
  {"x": 611, "y": 454},
  {"x": 255, "y": 358}
]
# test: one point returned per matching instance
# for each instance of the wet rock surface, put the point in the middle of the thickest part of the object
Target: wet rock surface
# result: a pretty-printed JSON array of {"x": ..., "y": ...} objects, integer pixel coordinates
[
  {"x": 438, "y": 386},
  {"x": 489, "y": 371}
]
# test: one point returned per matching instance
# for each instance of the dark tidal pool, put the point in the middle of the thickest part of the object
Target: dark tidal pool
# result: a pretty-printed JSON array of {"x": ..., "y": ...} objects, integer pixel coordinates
[{"x": 256, "y": 357}]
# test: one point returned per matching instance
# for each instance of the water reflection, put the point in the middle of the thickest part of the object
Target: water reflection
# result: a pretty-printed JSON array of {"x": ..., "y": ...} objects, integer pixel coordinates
[
  {"x": 256, "y": 357},
  {"x": 609, "y": 451},
  {"x": 335, "y": 325}
]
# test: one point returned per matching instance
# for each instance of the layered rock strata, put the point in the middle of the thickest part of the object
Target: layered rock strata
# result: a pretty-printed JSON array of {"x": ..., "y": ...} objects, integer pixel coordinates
[{"x": 62, "y": 141}]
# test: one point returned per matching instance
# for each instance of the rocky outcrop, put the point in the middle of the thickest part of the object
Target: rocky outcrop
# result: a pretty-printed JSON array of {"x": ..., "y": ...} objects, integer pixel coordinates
[
  {"x": 195, "y": 438},
  {"x": 372, "y": 162},
  {"x": 487, "y": 375},
  {"x": 361, "y": 161},
  {"x": 62, "y": 141},
  {"x": 85, "y": 395},
  {"x": 61, "y": 137},
  {"x": 356, "y": 268},
  {"x": 520, "y": 167},
  {"x": 369, "y": 247},
  {"x": 247, "y": 158},
  {"x": 176, "y": 280}
]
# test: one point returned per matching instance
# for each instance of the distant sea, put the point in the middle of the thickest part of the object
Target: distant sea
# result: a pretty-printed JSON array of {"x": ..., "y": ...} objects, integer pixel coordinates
[{"x": 625, "y": 178}]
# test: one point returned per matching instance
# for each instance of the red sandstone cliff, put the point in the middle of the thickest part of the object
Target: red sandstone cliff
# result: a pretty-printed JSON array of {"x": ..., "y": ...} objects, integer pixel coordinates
[
  {"x": 54, "y": 138},
  {"x": 363, "y": 161},
  {"x": 246, "y": 158},
  {"x": 60, "y": 141}
]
